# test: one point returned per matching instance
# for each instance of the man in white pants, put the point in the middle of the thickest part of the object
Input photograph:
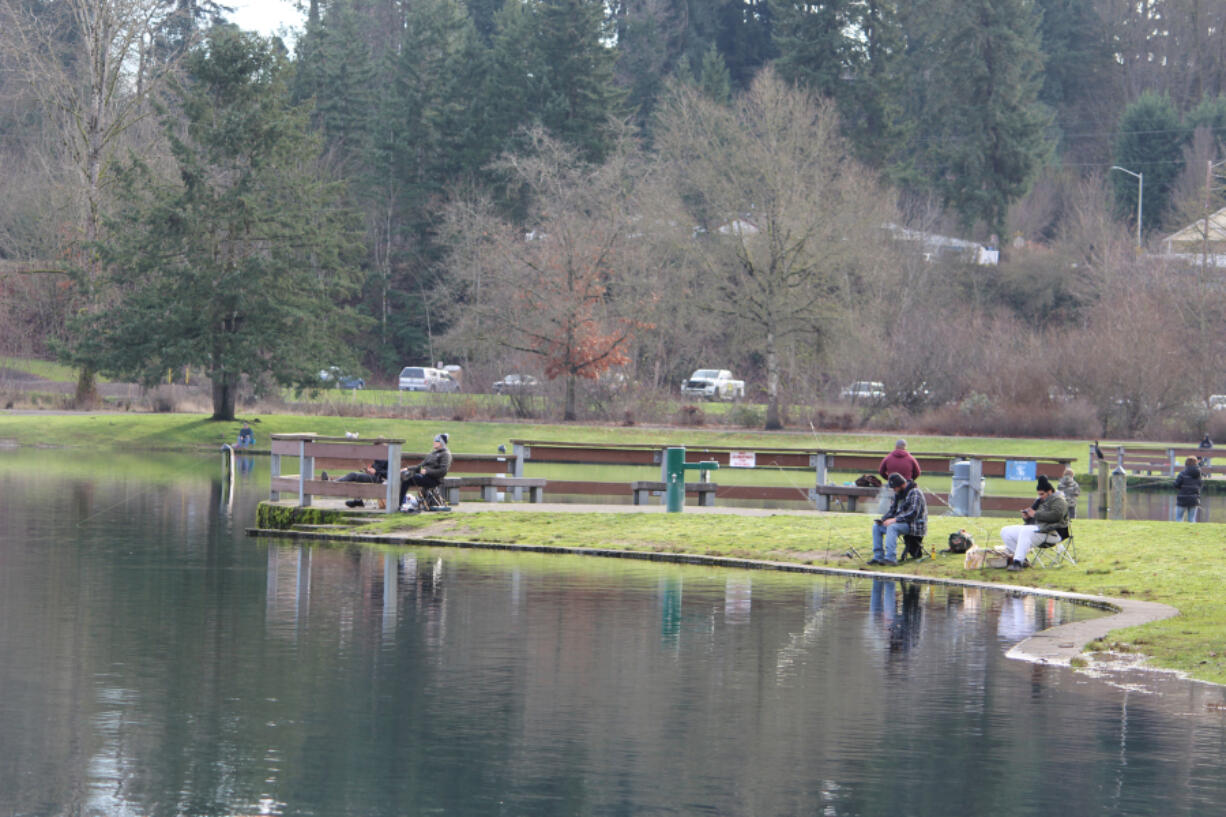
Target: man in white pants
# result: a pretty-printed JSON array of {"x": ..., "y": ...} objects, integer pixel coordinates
[{"x": 1048, "y": 513}]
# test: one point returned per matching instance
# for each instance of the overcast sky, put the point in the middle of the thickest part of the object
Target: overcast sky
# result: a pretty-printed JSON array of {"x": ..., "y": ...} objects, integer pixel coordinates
[{"x": 265, "y": 16}]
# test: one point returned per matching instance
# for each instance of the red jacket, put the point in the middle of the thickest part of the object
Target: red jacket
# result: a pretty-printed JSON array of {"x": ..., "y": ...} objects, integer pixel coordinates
[{"x": 899, "y": 461}]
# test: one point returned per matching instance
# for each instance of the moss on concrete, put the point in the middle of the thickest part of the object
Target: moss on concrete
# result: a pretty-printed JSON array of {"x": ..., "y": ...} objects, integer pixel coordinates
[{"x": 274, "y": 516}]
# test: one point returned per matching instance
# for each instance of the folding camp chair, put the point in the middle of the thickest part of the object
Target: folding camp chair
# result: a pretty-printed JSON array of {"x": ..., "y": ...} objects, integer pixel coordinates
[
  {"x": 914, "y": 549},
  {"x": 1054, "y": 550}
]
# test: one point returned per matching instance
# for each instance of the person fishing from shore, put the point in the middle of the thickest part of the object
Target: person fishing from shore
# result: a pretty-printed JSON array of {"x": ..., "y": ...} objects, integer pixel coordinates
[
  {"x": 1071, "y": 489},
  {"x": 1188, "y": 482},
  {"x": 428, "y": 474},
  {"x": 1048, "y": 513},
  {"x": 907, "y": 516}
]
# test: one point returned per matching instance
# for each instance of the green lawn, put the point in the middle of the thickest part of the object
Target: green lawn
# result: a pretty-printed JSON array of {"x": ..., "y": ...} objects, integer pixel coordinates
[
  {"x": 47, "y": 369},
  {"x": 197, "y": 431}
]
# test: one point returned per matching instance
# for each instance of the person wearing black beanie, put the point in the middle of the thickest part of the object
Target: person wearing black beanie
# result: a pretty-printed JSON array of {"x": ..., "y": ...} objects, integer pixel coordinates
[{"x": 1049, "y": 513}]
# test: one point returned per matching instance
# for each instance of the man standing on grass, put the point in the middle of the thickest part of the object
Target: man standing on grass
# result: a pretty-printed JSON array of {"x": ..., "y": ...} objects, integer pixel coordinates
[{"x": 899, "y": 461}]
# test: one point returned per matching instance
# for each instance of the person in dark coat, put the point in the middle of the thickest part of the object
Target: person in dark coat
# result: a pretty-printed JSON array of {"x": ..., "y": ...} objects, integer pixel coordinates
[
  {"x": 429, "y": 474},
  {"x": 1188, "y": 483},
  {"x": 908, "y": 516},
  {"x": 1048, "y": 513},
  {"x": 1206, "y": 445}
]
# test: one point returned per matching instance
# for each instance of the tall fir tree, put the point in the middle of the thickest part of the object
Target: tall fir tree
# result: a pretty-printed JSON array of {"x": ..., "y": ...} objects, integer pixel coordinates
[
  {"x": 240, "y": 265},
  {"x": 1079, "y": 75},
  {"x": 1149, "y": 141},
  {"x": 983, "y": 136},
  {"x": 850, "y": 52}
]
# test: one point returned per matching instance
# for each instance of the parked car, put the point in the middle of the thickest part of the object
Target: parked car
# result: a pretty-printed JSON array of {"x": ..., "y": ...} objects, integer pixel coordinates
[
  {"x": 334, "y": 377},
  {"x": 426, "y": 378},
  {"x": 1217, "y": 402},
  {"x": 864, "y": 391},
  {"x": 713, "y": 384},
  {"x": 516, "y": 384}
]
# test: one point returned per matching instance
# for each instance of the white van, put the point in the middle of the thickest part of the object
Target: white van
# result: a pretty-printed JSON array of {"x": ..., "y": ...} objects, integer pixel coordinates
[{"x": 426, "y": 378}]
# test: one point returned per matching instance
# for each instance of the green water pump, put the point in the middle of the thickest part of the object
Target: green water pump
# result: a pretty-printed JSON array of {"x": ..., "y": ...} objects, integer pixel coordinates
[{"x": 675, "y": 467}]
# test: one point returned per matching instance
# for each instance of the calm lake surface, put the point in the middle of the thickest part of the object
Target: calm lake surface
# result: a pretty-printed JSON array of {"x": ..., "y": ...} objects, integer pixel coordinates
[{"x": 154, "y": 660}]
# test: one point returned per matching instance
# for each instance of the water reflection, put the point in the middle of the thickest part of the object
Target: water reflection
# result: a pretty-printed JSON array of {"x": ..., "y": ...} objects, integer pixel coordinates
[{"x": 154, "y": 660}]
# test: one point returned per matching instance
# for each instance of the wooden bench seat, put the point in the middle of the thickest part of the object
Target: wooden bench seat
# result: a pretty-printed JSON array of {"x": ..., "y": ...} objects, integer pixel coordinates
[
  {"x": 851, "y": 493},
  {"x": 491, "y": 485},
  {"x": 643, "y": 489}
]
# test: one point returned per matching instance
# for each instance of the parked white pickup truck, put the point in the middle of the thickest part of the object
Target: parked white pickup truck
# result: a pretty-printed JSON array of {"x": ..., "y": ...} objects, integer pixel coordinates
[{"x": 713, "y": 384}]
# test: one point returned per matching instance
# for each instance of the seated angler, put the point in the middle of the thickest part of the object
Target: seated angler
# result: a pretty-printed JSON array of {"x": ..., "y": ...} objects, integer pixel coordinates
[
  {"x": 427, "y": 475},
  {"x": 1048, "y": 513},
  {"x": 908, "y": 516}
]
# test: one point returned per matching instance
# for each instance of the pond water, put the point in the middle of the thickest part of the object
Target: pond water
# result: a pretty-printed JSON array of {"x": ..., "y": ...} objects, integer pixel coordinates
[{"x": 154, "y": 660}]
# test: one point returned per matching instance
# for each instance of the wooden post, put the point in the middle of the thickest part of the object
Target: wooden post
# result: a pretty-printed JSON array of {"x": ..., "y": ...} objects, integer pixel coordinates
[
  {"x": 1104, "y": 484},
  {"x": 393, "y": 477},
  {"x": 1119, "y": 494},
  {"x": 522, "y": 452},
  {"x": 306, "y": 470},
  {"x": 820, "y": 463},
  {"x": 274, "y": 467}
]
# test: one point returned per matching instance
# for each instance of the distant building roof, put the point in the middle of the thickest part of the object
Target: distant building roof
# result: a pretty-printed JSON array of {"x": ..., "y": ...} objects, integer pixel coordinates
[
  {"x": 1193, "y": 236},
  {"x": 937, "y": 245}
]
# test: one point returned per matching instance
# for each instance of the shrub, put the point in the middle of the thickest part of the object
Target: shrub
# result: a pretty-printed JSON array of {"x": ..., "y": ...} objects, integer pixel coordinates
[
  {"x": 745, "y": 415},
  {"x": 691, "y": 415}
]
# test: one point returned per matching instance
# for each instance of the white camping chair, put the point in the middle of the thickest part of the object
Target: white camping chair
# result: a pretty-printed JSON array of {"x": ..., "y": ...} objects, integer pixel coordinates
[{"x": 1053, "y": 550}]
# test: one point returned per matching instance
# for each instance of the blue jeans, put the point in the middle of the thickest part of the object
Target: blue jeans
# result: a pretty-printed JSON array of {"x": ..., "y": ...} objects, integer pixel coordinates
[
  {"x": 1190, "y": 513},
  {"x": 888, "y": 552}
]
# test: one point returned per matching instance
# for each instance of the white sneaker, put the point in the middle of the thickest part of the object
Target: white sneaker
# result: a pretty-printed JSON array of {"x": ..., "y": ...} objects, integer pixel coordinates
[{"x": 404, "y": 508}]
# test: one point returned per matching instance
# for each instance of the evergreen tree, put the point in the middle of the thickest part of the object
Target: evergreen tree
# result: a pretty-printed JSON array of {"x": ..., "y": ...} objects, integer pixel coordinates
[
  {"x": 1210, "y": 114},
  {"x": 550, "y": 65},
  {"x": 238, "y": 265},
  {"x": 1078, "y": 74},
  {"x": 715, "y": 81},
  {"x": 847, "y": 51},
  {"x": 984, "y": 128},
  {"x": 335, "y": 73},
  {"x": 1149, "y": 141},
  {"x": 578, "y": 90},
  {"x": 746, "y": 38}
]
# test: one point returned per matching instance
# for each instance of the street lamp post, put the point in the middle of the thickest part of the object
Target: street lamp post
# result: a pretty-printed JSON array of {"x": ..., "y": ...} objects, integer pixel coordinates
[{"x": 1140, "y": 177}]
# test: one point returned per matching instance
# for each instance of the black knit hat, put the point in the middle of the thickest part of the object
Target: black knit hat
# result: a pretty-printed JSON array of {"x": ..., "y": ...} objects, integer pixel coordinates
[
  {"x": 1043, "y": 484},
  {"x": 897, "y": 481}
]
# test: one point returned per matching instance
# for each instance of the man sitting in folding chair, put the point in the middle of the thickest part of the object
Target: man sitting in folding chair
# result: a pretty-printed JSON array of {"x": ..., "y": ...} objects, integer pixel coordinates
[
  {"x": 1046, "y": 524},
  {"x": 907, "y": 517}
]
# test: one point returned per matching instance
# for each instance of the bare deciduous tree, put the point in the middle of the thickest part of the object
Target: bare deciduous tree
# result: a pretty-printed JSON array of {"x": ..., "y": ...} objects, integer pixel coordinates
[
  {"x": 565, "y": 287},
  {"x": 87, "y": 61},
  {"x": 790, "y": 226}
]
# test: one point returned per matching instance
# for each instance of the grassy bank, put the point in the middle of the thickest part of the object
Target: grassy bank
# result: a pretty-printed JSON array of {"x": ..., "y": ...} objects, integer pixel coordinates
[
  {"x": 1180, "y": 565},
  {"x": 197, "y": 432}
]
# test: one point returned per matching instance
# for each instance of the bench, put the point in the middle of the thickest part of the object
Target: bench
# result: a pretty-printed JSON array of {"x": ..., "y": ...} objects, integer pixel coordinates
[
  {"x": 643, "y": 489},
  {"x": 309, "y": 449},
  {"x": 489, "y": 487},
  {"x": 851, "y": 493}
]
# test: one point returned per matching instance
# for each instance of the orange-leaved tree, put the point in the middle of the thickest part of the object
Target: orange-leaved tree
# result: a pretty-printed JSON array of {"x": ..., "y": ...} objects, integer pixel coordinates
[{"x": 564, "y": 284}]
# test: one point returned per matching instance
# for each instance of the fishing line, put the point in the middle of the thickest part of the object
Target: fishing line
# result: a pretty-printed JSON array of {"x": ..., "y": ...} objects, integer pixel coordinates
[{"x": 124, "y": 501}]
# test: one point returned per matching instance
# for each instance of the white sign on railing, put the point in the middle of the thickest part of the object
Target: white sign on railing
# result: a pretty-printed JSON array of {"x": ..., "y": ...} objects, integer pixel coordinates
[{"x": 741, "y": 459}]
